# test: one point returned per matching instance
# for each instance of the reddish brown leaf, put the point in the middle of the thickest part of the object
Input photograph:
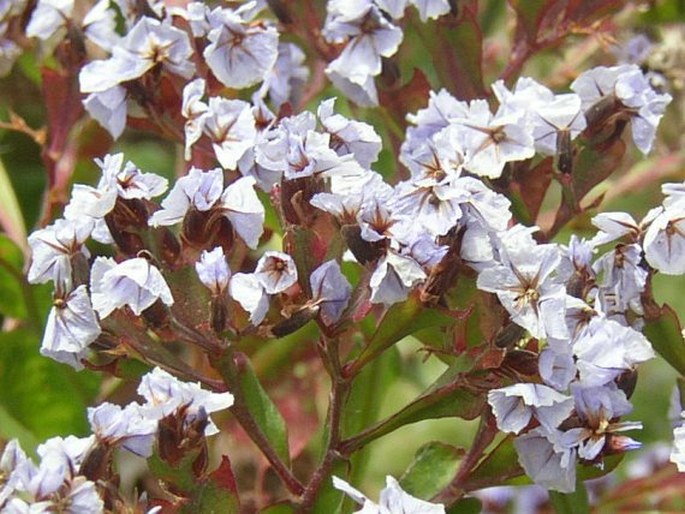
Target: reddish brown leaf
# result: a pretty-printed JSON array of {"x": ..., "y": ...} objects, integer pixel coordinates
[
  {"x": 223, "y": 476},
  {"x": 408, "y": 98},
  {"x": 63, "y": 103},
  {"x": 532, "y": 184}
]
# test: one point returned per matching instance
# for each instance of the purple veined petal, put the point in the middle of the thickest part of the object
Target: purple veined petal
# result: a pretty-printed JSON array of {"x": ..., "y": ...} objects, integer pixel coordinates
[
  {"x": 547, "y": 467},
  {"x": 134, "y": 282},
  {"x": 331, "y": 289},
  {"x": 276, "y": 271},
  {"x": 241, "y": 55},
  {"x": 213, "y": 270}
]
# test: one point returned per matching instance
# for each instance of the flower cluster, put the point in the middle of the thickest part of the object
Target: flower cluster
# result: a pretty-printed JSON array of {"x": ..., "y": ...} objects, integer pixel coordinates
[
  {"x": 280, "y": 217},
  {"x": 66, "y": 480}
]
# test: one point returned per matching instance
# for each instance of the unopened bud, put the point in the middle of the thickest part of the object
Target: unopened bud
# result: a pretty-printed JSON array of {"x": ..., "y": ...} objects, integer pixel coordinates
[
  {"x": 299, "y": 319},
  {"x": 364, "y": 251}
]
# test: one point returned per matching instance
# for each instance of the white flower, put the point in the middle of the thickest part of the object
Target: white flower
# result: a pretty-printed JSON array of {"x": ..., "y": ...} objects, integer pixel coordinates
[
  {"x": 297, "y": 150},
  {"x": 515, "y": 405},
  {"x": 134, "y": 282},
  {"x": 230, "y": 125},
  {"x": 15, "y": 467},
  {"x": 393, "y": 278},
  {"x": 436, "y": 207},
  {"x": 109, "y": 109},
  {"x": 442, "y": 110},
  {"x": 213, "y": 270},
  {"x": 393, "y": 500},
  {"x": 126, "y": 427},
  {"x": 364, "y": 94},
  {"x": 240, "y": 53},
  {"x": 368, "y": 36},
  {"x": 331, "y": 290},
  {"x": 99, "y": 25},
  {"x": 194, "y": 111},
  {"x": 431, "y": 9},
  {"x": 647, "y": 106},
  {"x": 546, "y": 461},
  {"x": 557, "y": 369},
  {"x": 198, "y": 189},
  {"x": 678, "y": 450},
  {"x": 148, "y": 44},
  {"x": 71, "y": 327},
  {"x": 594, "y": 84},
  {"x": 526, "y": 288},
  {"x": 628, "y": 84},
  {"x": 249, "y": 292},
  {"x": 53, "y": 249},
  {"x": 96, "y": 202},
  {"x": 664, "y": 241},
  {"x": 605, "y": 349},
  {"x": 165, "y": 394},
  {"x": 350, "y": 137},
  {"x": 597, "y": 407},
  {"x": 276, "y": 272},
  {"x": 241, "y": 205},
  {"x": 128, "y": 182},
  {"x": 561, "y": 118},
  {"x": 492, "y": 141},
  {"x": 289, "y": 74},
  {"x": 48, "y": 17}
]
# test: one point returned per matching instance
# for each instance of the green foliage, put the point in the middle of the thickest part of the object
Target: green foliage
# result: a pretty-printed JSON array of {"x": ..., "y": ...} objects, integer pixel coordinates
[
  {"x": 35, "y": 389},
  {"x": 666, "y": 337},
  {"x": 434, "y": 467},
  {"x": 401, "y": 319},
  {"x": 571, "y": 503},
  {"x": 12, "y": 282},
  {"x": 265, "y": 413}
]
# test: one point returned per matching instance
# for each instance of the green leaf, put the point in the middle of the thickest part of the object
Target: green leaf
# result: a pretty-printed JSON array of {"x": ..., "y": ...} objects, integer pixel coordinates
[
  {"x": 12, "y": 302},
  {"x": 449, "y": 396},
  {"x": 594, "y": 163},
  {"x": 279, "y": 508},
  {"x": 179, "y": 475},
  {"x": 666, "y": 337},
  {"x": 11, "y": 218},
  {"x": 460, "y": 43},
  {"x": 264, "y": 411},
  {"x": 362, "y": 410},
  {"x": 528, "y": 15},
  {"x": 571, "y": 503},
  {"x": 329, "y": 499},
  {"x": 215, "y": 494},
  {"x": 401, "y": 320},
  {"x": 499, "y": 466},
  {"x": 34, "y": 389},
  {"x": 465, "y": 506},
  {"x": 434, "y": 467},
  {"x": 588, "y": 472},
  {"x": 10, "y": 428}
]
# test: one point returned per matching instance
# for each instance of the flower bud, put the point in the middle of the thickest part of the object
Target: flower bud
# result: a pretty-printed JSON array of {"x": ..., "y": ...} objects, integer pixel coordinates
[
  {"x": 177, "y": 438},
  {"x": 364, "y": 251}
]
